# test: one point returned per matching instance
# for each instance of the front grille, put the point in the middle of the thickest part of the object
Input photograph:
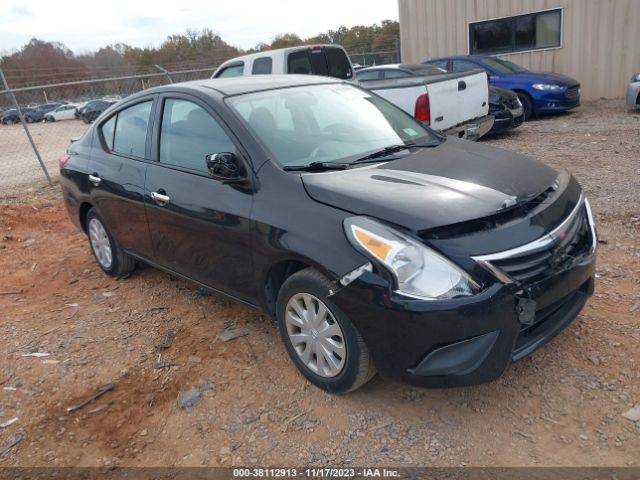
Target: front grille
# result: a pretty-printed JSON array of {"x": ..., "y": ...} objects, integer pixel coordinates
[
  {"x": 574, "y": 241},
  {"x": 573, "y": 93}
]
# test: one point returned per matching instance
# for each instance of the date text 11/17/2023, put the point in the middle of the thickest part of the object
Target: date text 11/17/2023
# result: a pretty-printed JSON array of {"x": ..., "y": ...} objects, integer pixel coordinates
[{"x": 315, "y": 473}]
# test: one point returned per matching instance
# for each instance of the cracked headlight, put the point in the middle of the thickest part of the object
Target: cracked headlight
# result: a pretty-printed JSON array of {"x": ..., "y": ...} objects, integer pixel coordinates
[{"x": 418, "y": 271}]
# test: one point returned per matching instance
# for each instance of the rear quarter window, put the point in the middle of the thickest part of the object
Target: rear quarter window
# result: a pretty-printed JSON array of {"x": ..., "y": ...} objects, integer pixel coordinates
[{"x": 262, "y": 66}]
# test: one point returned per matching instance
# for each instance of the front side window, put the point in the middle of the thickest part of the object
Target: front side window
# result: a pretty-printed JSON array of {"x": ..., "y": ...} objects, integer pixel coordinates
[
  {"x": 130, "y": 137},
  {"x": 396, "y": 74},
  {"x": 188, "y": 134},
  {"x": 368, "y": 75},
  {"x": 325, "y": 123},
  {"x": 232, "y": 71},
  {"x": 518, "y": 33},
  {"x": 503, "y": 66}
]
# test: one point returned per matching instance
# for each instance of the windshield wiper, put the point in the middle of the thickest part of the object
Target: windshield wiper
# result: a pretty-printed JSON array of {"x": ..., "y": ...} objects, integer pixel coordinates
[
  {"x": 317, "y": 167},
  {"x": 390, "y": 150}
]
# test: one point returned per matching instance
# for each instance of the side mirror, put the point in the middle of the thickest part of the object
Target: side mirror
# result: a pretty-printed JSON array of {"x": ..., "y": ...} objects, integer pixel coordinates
[{"x": 225, "y": 167}]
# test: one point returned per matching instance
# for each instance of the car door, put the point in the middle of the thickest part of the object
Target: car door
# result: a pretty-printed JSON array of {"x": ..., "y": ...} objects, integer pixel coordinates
[
  {"x": 199, "y": 226},
  {"x": 117, "y": 169},
  {"x": 68, "y": 113}
]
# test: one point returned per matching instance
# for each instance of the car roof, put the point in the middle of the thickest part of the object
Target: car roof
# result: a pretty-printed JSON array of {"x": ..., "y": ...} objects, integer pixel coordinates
[
  {"x": 240, "y": 85},
  {"x": 275, "y": 52}
]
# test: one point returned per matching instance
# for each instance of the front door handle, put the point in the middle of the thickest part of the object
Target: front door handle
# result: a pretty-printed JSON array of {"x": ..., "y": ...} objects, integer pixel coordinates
[
  {"x": 462, "y": 85},
  {"x": 160, "y": 198},
  {"x": 95, "y": 179}
]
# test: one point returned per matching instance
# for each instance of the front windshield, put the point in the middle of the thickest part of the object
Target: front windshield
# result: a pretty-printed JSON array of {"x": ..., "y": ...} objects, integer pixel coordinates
[
  {"x": 325, "y": 123},
  {"x": 503, "y": 66}
]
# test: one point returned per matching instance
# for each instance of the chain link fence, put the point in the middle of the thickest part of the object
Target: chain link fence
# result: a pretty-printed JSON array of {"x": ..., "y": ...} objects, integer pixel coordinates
[
  {"x": 73, "y": 106},
  {"x": 29, "y": 151}
]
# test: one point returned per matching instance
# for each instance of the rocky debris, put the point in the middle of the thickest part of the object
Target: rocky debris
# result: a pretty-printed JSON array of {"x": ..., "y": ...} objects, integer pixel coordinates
[
  {"x": 229, "y": 333},
  {"x": 633, "y": 414},
  {"x": 101, "y": 391}
]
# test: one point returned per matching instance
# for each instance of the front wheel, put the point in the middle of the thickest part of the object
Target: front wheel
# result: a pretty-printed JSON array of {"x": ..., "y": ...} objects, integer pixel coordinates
[
  {"x": 111, "y": 258},
  {"x": 320, "y": 339}
]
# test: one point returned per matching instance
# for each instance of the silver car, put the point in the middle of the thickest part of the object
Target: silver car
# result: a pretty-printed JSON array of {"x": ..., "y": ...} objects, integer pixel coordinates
[{"x": 633, "y": 91}]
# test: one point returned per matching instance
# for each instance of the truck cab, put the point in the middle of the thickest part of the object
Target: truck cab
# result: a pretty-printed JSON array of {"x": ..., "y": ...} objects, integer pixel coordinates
[{"x": 325, "y": 60}]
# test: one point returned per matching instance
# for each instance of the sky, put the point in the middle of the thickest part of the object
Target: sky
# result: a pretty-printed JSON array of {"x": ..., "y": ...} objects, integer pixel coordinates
[{"x": 85, "y": 26}]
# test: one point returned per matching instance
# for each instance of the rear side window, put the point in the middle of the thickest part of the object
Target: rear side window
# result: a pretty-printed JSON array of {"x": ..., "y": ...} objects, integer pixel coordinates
[
  {"x": 130, "y": 137},
  {"x": 458, "y": 66},
  {"x": 262, "y": 66},
  {"x": 440, "y": 64},
  {"x": 236, "y": 70},
  {"x": 188, "y": 134}
]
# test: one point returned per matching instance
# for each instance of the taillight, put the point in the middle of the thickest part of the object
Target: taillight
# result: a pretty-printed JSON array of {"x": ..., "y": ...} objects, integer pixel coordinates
[
  {"x": 62, "y": 161},
  {"x": 423, "y": 109}
]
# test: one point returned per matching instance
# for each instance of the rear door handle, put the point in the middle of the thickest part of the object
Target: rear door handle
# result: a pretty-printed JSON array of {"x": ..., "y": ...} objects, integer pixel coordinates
[
  {"x": 95, "y": 179},
  {"x": 160, "y": 198},
  {"x": 462, "y": 85}
]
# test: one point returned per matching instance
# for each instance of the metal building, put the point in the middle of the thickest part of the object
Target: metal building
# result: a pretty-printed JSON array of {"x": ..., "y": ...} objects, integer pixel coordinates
[{"x": 595, "y": 41}]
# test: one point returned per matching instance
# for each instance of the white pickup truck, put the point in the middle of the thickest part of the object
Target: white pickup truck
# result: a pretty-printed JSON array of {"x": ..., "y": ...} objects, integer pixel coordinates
[{"x": 455, "y": 103}]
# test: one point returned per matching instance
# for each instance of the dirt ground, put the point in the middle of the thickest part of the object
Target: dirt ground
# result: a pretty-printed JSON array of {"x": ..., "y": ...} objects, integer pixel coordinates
[{"x": 561, "y": 406}]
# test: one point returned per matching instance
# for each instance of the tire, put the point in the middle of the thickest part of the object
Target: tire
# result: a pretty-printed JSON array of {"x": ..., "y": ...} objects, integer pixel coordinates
[
  {"x": 527, "y": 105},
  {"x": 109, "y": 256},
  {"x": 346, "y": 364}
]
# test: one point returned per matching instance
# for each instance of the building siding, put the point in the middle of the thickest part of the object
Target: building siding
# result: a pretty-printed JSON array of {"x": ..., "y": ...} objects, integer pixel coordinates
[{"x": 600, "y": 40}]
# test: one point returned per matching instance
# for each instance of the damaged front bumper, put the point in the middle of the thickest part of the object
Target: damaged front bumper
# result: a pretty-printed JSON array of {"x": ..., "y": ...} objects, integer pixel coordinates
[{"x": 471, "y": 340}]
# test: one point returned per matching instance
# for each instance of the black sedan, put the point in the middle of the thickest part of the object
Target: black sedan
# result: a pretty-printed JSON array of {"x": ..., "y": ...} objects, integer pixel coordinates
[
  {"x": 93, "y": 109},
  {"x": 376, "y": 243}
]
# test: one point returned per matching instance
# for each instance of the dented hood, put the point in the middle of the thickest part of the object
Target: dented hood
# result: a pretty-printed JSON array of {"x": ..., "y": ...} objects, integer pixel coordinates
[{"x": 454, "y": 182}]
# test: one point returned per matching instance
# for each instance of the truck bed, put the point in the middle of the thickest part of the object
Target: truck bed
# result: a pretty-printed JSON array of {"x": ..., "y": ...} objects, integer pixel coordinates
[{"x": 454, "y": 98}]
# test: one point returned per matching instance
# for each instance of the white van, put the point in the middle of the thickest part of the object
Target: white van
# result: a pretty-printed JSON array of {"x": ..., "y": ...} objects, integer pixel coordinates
[{"x": 325, "y": 60}]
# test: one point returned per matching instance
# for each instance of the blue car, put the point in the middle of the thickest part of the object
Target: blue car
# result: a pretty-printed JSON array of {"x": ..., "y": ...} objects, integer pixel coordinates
[{"x": 538, "y": 92}]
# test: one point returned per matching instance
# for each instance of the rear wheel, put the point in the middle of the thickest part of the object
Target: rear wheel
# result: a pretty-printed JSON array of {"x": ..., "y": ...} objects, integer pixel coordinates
[
  {"x": 320, "y": 339},
  {"x": 111, "y": 258},
  {"x": 527, "y": 105}
]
